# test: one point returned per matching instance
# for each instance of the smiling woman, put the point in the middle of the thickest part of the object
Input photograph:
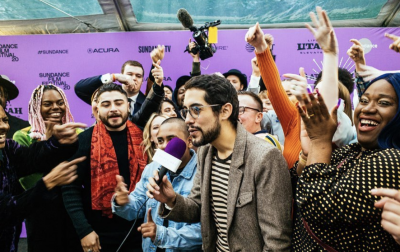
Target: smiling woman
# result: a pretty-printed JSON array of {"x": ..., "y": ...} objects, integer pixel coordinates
[
  {"x": 48, "y": 106},
  {"x": 335, "y": 208}
]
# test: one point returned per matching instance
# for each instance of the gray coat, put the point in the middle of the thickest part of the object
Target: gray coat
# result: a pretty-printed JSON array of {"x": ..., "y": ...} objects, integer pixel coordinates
[{"x": 259, "y": 198}]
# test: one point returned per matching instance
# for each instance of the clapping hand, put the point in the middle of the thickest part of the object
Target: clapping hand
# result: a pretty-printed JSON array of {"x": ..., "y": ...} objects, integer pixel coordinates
[{"x": 319, "y": 123}]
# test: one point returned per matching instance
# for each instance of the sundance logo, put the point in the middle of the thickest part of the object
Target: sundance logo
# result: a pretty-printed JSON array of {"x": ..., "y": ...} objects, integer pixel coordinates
[
  {"x": 102, "y": 50},
  {"x": 149, "y": 49},
  {"x": 6, "y": 53},
  {"x": 367, "y": 45}
]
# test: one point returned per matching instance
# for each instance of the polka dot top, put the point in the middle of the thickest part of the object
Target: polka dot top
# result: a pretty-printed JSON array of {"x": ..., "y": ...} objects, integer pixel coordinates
[{"x": 337, "y": 203}]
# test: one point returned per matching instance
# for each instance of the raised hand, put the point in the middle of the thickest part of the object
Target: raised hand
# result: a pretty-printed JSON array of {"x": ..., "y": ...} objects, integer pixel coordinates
[
  {"x": 91, "y": 242},
  {"x": 148, "y": 229},
  {"x": 395, "y": 46},
  {"x": 319, "y": 123},
  {"x": 126, "y": 80},
  {"x": 390, "y": 205},
  {"x": 66, "y": 133},
  {"x": 323, "y": 32},
  {"x": 255, "y": 37},
  {"x": 299, "y": 84},
  {"x": 121, "y": 192},
  {"x": 356, "y": 53},
  {"x": 158, "y": 73},
  {"x": 163, "y": 193},
  {"x": 254, "y": 66},
  {"x": 196, "y": 57},
  {"x": 158, "y": 53}
]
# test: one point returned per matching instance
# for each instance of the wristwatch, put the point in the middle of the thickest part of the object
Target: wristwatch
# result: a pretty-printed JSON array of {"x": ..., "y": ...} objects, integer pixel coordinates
[{"x": 106, "y": 78}]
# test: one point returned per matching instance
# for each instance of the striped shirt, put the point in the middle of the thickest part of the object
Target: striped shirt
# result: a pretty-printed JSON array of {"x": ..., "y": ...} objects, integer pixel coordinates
[{"x": 219, "y": 199}]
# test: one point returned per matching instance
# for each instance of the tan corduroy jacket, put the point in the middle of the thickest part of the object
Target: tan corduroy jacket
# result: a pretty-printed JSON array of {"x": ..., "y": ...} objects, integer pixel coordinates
[{"x": 259, "y": 198}]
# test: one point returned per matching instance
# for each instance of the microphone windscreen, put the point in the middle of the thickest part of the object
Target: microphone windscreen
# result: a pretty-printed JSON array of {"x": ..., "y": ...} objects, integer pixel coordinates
[
  {"x": 176, "y": 147},
  {"x": 185, "y": 18}
]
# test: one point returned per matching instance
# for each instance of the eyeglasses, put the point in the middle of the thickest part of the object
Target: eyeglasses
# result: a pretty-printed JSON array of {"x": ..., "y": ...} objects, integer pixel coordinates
[
  {"x": 242, "y": 109},
  {"x": 194, "y": 111}
]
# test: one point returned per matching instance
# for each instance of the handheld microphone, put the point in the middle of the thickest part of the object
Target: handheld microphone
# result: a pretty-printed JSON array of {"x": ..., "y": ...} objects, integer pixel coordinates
[
  {"x": 185, "y": 19},
  {"x": 170, "y": 158}
]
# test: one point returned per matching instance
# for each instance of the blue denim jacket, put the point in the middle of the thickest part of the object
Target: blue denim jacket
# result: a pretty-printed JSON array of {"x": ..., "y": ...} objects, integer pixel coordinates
[{"x": 177, "y": 236}]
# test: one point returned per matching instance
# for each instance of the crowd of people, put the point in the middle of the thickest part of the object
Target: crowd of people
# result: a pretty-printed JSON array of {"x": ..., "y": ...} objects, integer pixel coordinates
[{"x": 269, "y": 164}]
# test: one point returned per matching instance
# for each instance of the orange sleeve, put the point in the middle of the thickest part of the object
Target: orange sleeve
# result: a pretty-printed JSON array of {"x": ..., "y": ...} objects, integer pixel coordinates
[{"x": 284, "y": 108}]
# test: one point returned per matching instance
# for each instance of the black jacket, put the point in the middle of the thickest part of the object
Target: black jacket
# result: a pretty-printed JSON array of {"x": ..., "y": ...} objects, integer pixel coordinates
[
  {"x": 86, "y": 87},
  {"x": 77, "y": 196},
  {"x": 15, "y": 125}
]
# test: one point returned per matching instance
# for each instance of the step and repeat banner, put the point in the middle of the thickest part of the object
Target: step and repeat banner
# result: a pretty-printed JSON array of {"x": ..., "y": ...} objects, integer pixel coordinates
[{"x": 66, "y": 58}]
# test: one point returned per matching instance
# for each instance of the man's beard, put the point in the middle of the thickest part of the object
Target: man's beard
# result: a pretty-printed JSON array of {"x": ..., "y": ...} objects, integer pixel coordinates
[
  {"x": 209, "y": 136},
  {"x": 115, "y": 126}
]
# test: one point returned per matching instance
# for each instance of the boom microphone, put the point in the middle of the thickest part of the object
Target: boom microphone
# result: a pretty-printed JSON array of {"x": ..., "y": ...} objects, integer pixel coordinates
[
  {"x": 170, "y": 158},
  {"x": 185, "y": 19}
]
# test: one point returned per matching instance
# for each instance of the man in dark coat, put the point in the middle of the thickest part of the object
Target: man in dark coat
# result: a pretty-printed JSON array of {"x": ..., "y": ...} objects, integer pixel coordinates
[{"x": 8, "y": 92}]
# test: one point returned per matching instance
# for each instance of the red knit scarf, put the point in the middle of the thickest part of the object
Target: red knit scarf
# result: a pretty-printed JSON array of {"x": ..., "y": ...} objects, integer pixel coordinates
[{"x": 104, "y": 164}]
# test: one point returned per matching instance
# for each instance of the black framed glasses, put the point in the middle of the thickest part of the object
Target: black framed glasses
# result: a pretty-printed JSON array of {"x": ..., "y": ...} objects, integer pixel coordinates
[
  {"x": 194, "y": 111},
  {"x": 242, "y": 109}
]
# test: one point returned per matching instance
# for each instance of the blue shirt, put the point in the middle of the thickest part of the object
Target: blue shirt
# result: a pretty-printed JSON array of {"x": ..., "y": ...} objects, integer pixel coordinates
[
  {"x": 178, "y": 236},
  {"x": 276, "y": 127}
]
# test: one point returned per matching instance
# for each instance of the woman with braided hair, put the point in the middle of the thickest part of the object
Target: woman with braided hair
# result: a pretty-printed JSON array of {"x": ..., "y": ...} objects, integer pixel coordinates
[{"x": 49, "y": 225}]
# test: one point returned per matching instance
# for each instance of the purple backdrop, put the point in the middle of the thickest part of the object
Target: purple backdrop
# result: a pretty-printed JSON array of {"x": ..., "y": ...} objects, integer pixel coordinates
[{"x": 65, "y": 59}]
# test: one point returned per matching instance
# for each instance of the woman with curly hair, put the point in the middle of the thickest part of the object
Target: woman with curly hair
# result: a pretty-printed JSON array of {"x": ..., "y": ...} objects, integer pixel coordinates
[{"x": 150, "y": 134}]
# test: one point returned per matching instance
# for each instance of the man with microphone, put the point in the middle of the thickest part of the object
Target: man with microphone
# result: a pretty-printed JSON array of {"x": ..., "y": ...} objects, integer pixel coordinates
[
  {"x": 160, "y": 234},
  {"x": 242, "y": 191}
]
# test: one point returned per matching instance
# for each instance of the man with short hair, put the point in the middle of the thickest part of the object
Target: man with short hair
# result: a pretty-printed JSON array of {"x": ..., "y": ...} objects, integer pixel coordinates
[
  {"x": 8, "y": 92},
  {"x": 242, "y": 192},
  {"x": 250, "y": 116},
  {"x": 237, "y": 79},
  {"x": 112, "y": 147},
  {"x": 159, "y": 234}
]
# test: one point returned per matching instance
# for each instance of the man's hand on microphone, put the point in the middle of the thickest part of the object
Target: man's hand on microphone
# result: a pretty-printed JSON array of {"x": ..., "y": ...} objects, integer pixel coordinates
[
  {"x": 163, "y": 193},
  {"x": 121, "y": 192}
]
